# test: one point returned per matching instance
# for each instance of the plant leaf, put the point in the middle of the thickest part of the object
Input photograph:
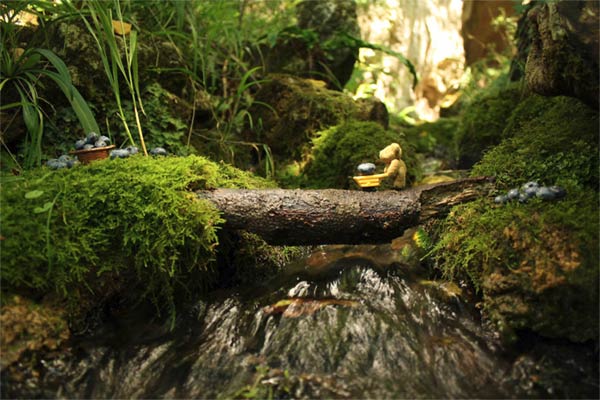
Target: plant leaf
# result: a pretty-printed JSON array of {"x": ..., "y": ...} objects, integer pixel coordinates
[
  {"x": 34, "y": 194},
  {"x": 47, "y": 205}
]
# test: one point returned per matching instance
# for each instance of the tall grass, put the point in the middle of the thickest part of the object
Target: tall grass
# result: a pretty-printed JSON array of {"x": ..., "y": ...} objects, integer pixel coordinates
[{"x": 112, "y": 49}]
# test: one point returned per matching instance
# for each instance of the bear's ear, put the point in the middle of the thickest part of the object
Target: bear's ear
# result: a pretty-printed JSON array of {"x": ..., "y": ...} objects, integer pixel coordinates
[{"x": 396, "y": 150}]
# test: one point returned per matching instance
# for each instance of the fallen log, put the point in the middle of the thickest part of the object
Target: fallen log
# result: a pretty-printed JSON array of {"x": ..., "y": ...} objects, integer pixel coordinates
[{"x": 331, "y": 216}]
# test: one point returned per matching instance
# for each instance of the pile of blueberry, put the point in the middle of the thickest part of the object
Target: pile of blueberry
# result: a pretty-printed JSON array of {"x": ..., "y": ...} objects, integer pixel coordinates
[
  {"x": 92, "y": 141},
  {"x": 131, "y": 150},
  {"x": 123, "y": 153},
  {"x": 529, "y": 190},
  {"x": 63, "y": 161}
]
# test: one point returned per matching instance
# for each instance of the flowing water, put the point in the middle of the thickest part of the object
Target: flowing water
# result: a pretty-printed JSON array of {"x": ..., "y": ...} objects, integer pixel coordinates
[{"x": 346, "y": 322}]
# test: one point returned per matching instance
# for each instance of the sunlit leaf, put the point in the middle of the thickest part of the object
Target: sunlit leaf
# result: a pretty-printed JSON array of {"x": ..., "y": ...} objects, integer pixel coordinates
[
  {"x": 44, "y": 208},
  {"x": 34, "y": 194}
]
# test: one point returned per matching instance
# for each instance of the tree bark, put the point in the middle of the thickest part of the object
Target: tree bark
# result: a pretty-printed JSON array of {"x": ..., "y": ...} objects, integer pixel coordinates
[{"x": 331, "y": 216}]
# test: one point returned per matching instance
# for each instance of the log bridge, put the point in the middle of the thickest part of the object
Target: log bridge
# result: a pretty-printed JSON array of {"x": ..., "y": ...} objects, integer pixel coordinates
[{"x": 331, "y": 216}]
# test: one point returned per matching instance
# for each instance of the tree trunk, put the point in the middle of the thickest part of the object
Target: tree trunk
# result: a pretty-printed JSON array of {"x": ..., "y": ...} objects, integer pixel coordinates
[{"x": 310, "y": 217}]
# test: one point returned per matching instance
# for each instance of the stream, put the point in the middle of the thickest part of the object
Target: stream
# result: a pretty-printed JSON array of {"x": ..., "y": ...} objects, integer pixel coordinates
[{"x": 343, "y": 322}]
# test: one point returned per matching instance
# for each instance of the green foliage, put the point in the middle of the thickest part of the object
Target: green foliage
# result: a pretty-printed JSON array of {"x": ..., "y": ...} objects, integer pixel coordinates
[
  {"x": 133, "y": 221},
  {"x": 337, "y": 152},
  {"x": 113, "y": 49},
  {"x": 551, "y": 140},
  {"x": 482, "y": 123},
  {"x": 535, "y": 263},
  {"x": 21, "y": 71}
]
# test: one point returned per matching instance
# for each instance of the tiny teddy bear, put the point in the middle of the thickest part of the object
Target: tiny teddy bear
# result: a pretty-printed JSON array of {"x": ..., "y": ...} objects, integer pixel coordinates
[{"x": 395, "y": 168}]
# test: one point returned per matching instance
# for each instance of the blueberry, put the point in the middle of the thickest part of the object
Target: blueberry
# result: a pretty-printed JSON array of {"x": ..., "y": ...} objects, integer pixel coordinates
[
  {"x": 105, "y": 139},
  {"x": 158, "y": 151},
  {"x": 88, "y": 146},
  {"x": 558, "y": 191},
  {"x": 64, "y": 158},
  {"x": 501, "y": 199},
  {"x": 545, "y": 193},
  {"x": 531, "y": 191},
  {"x": 56, "y": 164},
  {"x": 72, "y": 163},
  {"x": 513, "y": 194},
  {"x": 91, "y": 138},
  {"x": 530, "y": 184},
  {"x": 132, "y": 150},
  {"x": 100, "y": 143},
  {"x": 366, "y": 169},
  {"x": 523, "y": 198},
  {"x": 52, "y": 163},
  {"x": 120, "y": 153},
  {"x": 79, "y": 144}
]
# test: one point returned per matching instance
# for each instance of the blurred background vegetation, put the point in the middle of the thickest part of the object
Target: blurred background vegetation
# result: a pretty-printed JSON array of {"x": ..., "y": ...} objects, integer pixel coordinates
[{"x": 184, "y": 75}]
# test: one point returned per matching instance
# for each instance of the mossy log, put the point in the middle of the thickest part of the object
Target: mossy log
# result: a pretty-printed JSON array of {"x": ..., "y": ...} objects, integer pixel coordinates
[{"x": 330, "y": 216}]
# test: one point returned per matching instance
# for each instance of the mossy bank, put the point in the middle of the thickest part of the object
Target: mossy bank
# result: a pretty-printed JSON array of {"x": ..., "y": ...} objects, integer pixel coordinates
[
  {"x": 88, "y": 232},
  {"x": 535, "y": 263}
]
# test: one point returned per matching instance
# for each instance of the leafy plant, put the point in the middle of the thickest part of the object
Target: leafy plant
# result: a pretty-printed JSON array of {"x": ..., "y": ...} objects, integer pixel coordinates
[
  {"x": 112, "y": 48},
  {"x": 23, "y": 70}
]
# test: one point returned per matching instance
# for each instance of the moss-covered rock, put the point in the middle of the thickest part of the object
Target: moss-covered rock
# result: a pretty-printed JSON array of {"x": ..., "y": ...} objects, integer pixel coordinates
[
  {"x": 482, "y": 123},
  {"x": 298, "y": 109},
  {"x": 536, "y": 264},
  {"x": 337, "y": 151},
  {"x": 86, "y": 232}
]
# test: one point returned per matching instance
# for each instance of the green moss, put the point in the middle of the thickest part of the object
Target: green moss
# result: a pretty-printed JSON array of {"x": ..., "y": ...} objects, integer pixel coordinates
[
  {"x": 482, "y": 123},
  {"x": 337, "y": 151},
  {"x": 536, "y": 264},
  {"x": 298, "y": 109},
  {"x": 114, "y": 222},
  {"x": 552, "y": 140}
]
